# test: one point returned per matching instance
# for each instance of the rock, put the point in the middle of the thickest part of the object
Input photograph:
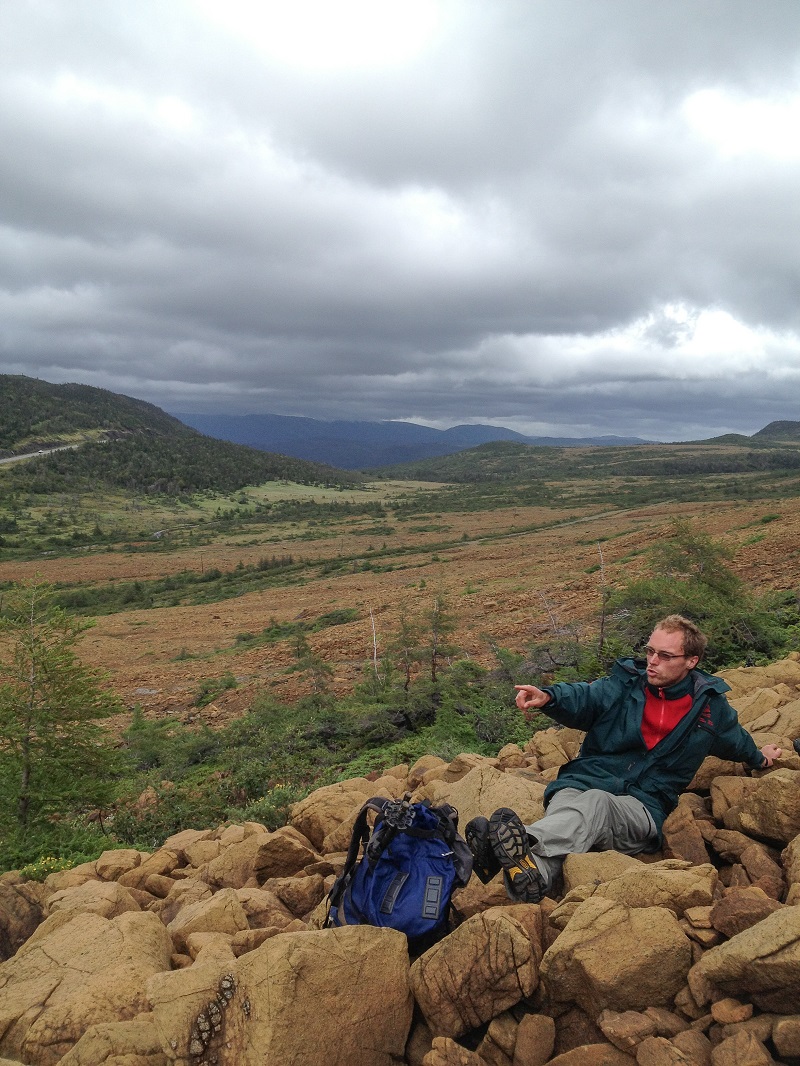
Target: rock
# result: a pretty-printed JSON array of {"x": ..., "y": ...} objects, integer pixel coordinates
[
  {"x": 162, "y": 861},
  {"x": 618, "y": 957},
  {"x": 790, "y": 858},
  {"x": 658, "y": 1051},
  {"x": 86, "y": 971},
  {"x": 762, "y": 962},
  {"x": 626, "y": 1029},
  {"x": 318, "y": 814},
  {"x": 446, "y": 1052},
  {"x": 592, "y": 1055},
  {"x": 236, "y": 864},
  {"x": 741, "y": 1050},
  {"x": 132, "y": 1043},
  {"x": 112, "y": 864},
  {"x": 106, "y": 898},
  {"x": 786, "y": 1036},
  {"x": 482, "y": 968},
  {"x": 773, "y": 809},
  {"x": 710, "y": 769},
  {"x": 21, "y": 911},
  {"x": 727, "y": 1011},
  {"x": 727, "y": 792},
  {"x": 682, "y": 836},
  {"x": 536, "y": 1037},
  {"x": 484, "y": 789},
  {"x": 497, "y": 1046},
  {"x": 263, "y": 908},
  {"x": 322, "y": 991},
  {"x": 221, "y": 913},
  {"x": 695, "y": 1045},
  {"x": 574, "y": 1028},
  {"x": 594, "y": 867},
  {"x": 182, "y": 894},
  {"x": 189, "y": 1006},
  {"x": 283, "y": 854}
]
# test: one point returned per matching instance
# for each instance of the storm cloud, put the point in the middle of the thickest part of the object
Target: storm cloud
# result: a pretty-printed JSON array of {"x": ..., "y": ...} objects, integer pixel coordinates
[{"x": 562, "y": 216}]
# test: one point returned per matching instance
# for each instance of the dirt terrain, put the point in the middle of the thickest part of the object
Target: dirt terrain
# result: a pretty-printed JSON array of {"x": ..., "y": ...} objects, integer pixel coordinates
[{"x": 503, "y": 586}]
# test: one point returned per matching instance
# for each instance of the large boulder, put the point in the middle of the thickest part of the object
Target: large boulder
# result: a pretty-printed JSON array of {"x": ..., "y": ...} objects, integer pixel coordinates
[
  {"x": 772, "y": 810},
  {"x": 321, "y": 812},
  {"x": 220, "y": 913},
  {"x": 85, "y": 971},
  {"x": 484, "y": 789},
  {"x": 336, "y": 997},
  {"x": 283, "y": 854},
  {"x": 618, "y": 957},
  {"x": 762, "y": 963},
  {"x": 235, "y": 864},
  {"x": 482, "y": 968}
]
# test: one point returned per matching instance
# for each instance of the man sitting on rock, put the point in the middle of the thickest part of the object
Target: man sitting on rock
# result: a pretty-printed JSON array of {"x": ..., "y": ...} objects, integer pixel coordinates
[{"x": 649, "y": 725}]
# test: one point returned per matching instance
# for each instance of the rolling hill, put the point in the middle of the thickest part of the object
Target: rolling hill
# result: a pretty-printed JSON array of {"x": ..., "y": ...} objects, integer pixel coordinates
[
  {"x": 355, "y": 445},
  {"x": 127, "y": 444}
]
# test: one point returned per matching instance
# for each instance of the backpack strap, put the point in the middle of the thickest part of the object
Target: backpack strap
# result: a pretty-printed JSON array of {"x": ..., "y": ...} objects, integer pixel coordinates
[{"x": 358, "y": 839}]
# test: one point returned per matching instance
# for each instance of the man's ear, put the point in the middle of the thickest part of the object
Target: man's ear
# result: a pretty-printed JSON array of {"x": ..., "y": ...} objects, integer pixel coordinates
[{"x": 693, "y": 661}]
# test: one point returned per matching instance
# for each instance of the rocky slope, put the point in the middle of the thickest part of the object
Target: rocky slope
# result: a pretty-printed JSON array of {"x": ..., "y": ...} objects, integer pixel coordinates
[{"x": 210, "y": 951}]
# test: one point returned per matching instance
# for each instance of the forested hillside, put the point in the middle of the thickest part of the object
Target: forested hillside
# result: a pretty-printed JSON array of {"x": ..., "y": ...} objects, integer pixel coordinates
[
  {"x": 36, "y": 413},
  {"x": 126, "y": 444}
]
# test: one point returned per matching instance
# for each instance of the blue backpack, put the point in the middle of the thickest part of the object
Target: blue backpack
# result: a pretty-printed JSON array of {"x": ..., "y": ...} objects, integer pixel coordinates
[{"x": 413, "y": 860}]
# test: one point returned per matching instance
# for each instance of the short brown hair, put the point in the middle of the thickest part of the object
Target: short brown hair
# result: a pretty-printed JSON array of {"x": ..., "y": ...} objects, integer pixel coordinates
[{"x": 694, "y": 641}]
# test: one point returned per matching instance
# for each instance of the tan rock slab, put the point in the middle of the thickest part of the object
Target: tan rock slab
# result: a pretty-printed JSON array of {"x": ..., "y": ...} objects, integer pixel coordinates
[
  {"x": 106, "y": 898},
  {"x": 88, "y": 970},
  {"x": 324, "y": 809},
  {"x": 221, "y": 913},
  {"x": 773, "y": 809},
  {"x": 319, "y": 991},
  {"x": 761, "y": 963},
  {"x": 21, "y": 910},
  {"x": 132, "y": 1043},
  {"x": 658, "y": 1051},
  {"x": 283, "y": 854},
  {"x": 618, "y": 957},
  {"x": 741, "y": 1050},
  {"x": 696, "y": 1046},
  {"x": 482, "y": 968},
  {"x": 536, "y": 1037},
  {"x": 786, "y": 1036},
  {"x": 236, "y": 864},
  {"x": 497, "y": 1046},
  {"x": 595, "y": 867},
  {"x": 485, "y": 788},
  {"x": 113, "y": 864},
  {"x": 446, "y": 1052},
  {"x": 626, "y": 1029}
]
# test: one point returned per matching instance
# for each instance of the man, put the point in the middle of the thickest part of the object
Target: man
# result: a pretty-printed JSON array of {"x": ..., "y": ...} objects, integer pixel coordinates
[{"x": 648, "y": 728}]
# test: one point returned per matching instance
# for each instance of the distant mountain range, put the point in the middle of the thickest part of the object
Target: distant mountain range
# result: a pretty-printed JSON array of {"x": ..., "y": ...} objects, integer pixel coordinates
[{"x": 361, "y": 445}]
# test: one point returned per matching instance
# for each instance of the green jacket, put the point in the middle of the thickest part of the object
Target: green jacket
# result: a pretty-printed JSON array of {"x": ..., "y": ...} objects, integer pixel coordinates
[{"x": 613, "y": 756}]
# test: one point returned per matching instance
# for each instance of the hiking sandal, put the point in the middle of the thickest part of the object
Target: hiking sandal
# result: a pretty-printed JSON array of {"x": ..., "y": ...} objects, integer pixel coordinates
[
  {"x": 509, "y": 841},
  {"x": 484, "y": 862}
]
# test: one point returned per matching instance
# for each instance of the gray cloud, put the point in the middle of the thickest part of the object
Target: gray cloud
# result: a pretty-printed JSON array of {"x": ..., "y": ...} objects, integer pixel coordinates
[{"x": 552, "y": 214}]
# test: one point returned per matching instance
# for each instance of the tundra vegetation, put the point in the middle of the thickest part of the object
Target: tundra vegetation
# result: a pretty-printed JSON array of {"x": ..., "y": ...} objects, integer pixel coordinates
[{"x": 71, "y": 787}]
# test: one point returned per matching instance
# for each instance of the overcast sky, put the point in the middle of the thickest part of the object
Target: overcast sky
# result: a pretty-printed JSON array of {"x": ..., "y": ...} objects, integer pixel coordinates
[{"x": 561, "y": 216}]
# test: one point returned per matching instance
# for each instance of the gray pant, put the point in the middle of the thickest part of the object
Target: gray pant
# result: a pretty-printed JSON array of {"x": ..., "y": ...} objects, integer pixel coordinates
[{"x": 588, "y": 821}]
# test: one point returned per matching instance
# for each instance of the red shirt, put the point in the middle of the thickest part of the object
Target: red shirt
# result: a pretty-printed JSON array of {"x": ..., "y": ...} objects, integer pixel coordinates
[{"x": 661, "y": 715}]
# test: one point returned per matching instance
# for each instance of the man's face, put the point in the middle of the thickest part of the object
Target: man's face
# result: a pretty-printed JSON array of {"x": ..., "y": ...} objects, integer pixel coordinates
[{"x": 665, "y": 671}]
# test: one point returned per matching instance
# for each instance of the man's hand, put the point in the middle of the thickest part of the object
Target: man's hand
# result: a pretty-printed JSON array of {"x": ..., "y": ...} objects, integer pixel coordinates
[
  {"x": 529, "y": 696},
  {"x": 771, "y": 752}
]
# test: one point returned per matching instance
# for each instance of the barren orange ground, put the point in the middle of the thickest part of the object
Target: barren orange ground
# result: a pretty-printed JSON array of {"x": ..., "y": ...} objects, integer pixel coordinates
[{"x": 509, "y": 590}]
